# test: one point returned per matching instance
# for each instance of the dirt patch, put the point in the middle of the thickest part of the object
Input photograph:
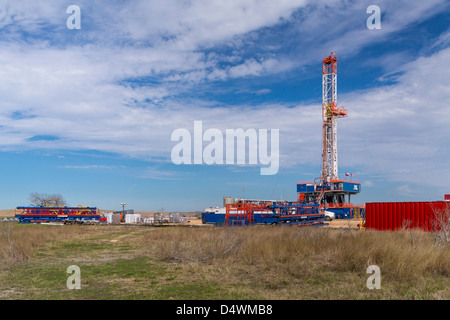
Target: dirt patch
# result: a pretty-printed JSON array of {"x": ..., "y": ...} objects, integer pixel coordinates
[
  {"x": 8, "y": 292},
  {"x": 195, "y": 221},
  {"x": 8, "y": 213},
  {"x": 343, "y": 223}
]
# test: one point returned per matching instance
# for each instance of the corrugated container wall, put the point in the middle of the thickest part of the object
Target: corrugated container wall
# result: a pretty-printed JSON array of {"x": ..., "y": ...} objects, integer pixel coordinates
[{"x": 405, "y": 215}]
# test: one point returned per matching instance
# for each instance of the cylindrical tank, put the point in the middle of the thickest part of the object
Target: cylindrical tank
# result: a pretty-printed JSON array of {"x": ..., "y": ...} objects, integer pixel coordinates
[
  {"x": 227, "y": 200},
  {"x": 108, "y": 217}
]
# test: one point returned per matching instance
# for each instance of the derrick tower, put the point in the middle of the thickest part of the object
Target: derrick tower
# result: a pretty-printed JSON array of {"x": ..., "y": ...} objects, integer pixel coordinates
[{"x": 330, "y": 114}]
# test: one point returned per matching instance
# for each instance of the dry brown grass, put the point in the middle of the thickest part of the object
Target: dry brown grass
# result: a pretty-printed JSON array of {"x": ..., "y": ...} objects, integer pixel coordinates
[
  {"x": 259, "y": 262},
  {"x": 18, "y": 242},
  {"x": 301, "y": 251}
]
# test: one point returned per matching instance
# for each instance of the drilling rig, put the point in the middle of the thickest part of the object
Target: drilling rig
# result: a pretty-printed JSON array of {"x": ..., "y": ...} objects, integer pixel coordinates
[
  {"x": 329, "y": 190},
  {"x": 316, "y": 199}
]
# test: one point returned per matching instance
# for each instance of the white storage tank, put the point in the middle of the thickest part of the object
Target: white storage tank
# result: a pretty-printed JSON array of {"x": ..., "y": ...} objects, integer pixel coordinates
[
  {"x": 227, "y": 200},
  {"x": 108, "y": 217},
  {"x": 132, "y": 218}
]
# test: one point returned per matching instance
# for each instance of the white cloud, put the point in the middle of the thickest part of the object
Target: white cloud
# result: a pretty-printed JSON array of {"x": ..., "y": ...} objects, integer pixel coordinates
[
  {"x": 443, "y": 41},
  {"x": 92, "y": 166},
  {"x": 158, "y": 174},
  {"x": 252, "y": 67},
  {"x": 401, "y": 131},
  {"x": 407, "y": 191},
  {"x": 263, "y": 92},
  {"x": 368, "y": 183},
  {"x": 191, "y": 23}
]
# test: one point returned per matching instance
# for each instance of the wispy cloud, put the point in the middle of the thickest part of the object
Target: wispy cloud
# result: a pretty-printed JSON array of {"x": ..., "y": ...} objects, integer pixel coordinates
[
  {"x": 407, "y": 191},
  {"x": 92, "y": 166},
  {"x": 160, "y": 174}
]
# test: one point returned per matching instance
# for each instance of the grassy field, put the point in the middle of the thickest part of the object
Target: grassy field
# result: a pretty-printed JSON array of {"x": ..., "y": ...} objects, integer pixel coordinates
[{"x": 190, "y": 263}]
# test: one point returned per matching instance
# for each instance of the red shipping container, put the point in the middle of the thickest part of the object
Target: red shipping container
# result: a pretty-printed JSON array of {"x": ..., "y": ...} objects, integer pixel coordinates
[
  {"x": 368, "y": 219},
  {"x": 404, "y": 215},
  {"x": 406, "y": 221},
  {"x": 421, "y": 215},
  {"x": 391, "y": 217},
  {"x": 399, "y": 218}
]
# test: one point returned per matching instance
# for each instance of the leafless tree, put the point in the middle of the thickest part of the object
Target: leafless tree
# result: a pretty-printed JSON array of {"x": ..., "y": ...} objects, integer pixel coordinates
[
  {"x": 441, "y": 226},
  {"x": 43, "y": 200}
]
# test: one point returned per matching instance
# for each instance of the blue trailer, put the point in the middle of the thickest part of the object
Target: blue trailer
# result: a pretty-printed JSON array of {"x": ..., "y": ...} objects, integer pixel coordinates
[
  {"x": 58, "y": 214},
  {"x": 286, "y": 213}
]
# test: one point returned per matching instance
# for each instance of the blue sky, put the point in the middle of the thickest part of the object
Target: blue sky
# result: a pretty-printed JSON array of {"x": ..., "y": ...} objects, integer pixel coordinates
[{"x": 89, "y": 113}]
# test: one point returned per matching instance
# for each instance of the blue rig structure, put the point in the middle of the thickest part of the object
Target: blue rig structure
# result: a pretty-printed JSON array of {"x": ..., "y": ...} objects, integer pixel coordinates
[
  {"x": 252, "y": 212},
  {"x": 333, "y": 196},
  {"x": 66, "y": 215},
  {"x": 275, "y": 213},
  {"x": 314, "y": 199}
]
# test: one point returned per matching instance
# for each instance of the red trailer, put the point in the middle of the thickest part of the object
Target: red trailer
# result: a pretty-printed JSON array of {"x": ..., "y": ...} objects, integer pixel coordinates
[{"x": 405, "y": 215}]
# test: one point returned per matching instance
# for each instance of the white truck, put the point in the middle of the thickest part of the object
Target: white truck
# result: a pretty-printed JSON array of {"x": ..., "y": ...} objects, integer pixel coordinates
[{"x": 329, "y": 215}]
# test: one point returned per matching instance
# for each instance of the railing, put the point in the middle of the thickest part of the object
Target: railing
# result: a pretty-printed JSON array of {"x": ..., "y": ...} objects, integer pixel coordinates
[
  {"x": 343, "y": 205},
  {"x": 350, "y": 180},
  {"x": 306, "y": 182},
  {"x": 239, "y": 211}
]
